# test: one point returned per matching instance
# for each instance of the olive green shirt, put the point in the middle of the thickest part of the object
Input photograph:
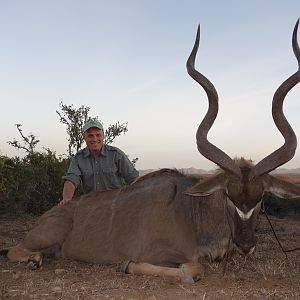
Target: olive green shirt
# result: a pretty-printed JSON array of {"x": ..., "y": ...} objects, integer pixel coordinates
[{"x": 110, "y": 169}]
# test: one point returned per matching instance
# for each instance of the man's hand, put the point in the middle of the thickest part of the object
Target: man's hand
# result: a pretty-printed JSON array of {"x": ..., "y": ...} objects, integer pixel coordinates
[
  {"x": 68, "y": 192},
  {"x": 63, "y": 202}
]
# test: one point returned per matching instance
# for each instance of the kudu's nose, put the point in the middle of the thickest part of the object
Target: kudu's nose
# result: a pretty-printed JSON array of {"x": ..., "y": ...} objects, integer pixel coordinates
[{"x": 245, "y": 249}]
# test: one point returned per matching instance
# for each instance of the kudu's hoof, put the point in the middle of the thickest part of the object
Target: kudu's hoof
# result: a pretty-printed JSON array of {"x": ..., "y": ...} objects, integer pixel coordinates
[
  {"x": 191, "y": 272},
  {"x": 3, "y": 253},
  {"x": 188, "y": 280},
  {"x": 34, "y": 262},
  {"x": 123, "y": 267},
  {"x": 32, "y": 265}
]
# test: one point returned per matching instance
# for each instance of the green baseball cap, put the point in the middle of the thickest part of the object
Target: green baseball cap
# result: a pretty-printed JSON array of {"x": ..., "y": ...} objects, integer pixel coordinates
[{"x": 91, "y": 123}]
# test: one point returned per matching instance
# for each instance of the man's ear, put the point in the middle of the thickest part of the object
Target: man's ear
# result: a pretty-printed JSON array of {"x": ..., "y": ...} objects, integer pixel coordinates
[{"x": 208, "y": 186}]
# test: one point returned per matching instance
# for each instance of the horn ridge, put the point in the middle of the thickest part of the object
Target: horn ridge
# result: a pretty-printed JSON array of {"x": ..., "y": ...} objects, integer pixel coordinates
[
  {"x": 287, "y": 151},
  {"x": 295, "y": 45},
  {"x": 207, "y": 149}
]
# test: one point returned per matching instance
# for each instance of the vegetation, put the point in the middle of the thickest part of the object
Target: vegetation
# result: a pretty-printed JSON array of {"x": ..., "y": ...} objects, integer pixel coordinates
[
  {"x": 33, "y": 184},
  {"x": 75, "y": 118},
  {"x": 281, "y": 207}
]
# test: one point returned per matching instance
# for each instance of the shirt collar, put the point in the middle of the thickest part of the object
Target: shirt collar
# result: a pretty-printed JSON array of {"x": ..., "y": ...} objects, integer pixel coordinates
[{"x": 103, "y": 152}]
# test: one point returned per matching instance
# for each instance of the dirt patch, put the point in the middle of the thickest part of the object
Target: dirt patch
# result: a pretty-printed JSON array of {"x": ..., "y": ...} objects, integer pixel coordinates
[{"x": 266, "y": 274}]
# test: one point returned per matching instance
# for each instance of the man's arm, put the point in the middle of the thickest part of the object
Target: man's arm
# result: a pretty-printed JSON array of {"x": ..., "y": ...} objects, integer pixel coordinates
[
  {"x": 71, "y": 181},
  {"x": 126, "y": 169},
  {"x": 68, "y": 192}
]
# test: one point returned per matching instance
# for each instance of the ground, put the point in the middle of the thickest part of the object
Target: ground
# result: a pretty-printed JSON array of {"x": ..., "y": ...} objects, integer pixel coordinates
[{"x": 266, "y": 274}]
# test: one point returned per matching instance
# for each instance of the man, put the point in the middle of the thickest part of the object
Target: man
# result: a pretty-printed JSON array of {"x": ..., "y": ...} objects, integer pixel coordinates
[{"x": 98, "y": 167}]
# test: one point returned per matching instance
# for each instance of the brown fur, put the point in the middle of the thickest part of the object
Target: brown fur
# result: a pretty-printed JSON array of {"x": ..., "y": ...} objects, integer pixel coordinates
[
  {"x": 169, "y": 218},
  {"x": 166, "y": 218}
]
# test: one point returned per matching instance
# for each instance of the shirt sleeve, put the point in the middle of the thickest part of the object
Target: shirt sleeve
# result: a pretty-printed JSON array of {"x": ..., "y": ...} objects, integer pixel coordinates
[
  {"x": 126, "y": 168},
  {"x": 73, "y": 173}
]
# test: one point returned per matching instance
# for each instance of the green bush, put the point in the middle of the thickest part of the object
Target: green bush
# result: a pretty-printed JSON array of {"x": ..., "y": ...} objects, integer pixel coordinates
[
  {"x": 32, "y": 184},
  {"x": 281, "y": 207}
]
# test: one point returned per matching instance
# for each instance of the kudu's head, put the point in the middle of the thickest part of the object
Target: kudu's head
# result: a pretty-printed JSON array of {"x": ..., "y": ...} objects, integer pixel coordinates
[{"x": 244, "y": 184}]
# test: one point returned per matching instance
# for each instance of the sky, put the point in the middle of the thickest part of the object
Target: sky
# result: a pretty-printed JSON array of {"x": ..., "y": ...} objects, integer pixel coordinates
[{"x": 125, "y": 60}]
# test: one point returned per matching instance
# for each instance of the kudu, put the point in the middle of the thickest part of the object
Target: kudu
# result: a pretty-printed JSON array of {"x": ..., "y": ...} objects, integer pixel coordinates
[{"x": 167, "y": 219}]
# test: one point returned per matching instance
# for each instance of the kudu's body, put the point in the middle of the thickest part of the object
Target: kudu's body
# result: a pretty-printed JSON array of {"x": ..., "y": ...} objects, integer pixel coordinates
[{"x": 167, "y": 218}]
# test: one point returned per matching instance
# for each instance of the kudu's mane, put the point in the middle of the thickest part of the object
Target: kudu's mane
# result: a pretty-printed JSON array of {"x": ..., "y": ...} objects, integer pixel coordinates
[
  {"x": 242, "y": 163},
  {"x": 164, "y": 171},
  {"x": 163, "y": 174}
]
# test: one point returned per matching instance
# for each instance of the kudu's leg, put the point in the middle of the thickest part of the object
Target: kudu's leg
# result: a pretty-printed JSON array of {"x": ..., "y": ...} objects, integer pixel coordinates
[
  {"x": 45, "y": 238},
  {"x": 21, "y": 254},
  {"x": 187, "y": 273},
  {"x": 34, "y": 259}
]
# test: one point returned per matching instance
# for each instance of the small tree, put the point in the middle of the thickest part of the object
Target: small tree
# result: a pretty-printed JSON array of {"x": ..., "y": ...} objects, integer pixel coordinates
[
  {"x": 113, "y": 131},
  {"x": 29, "y": 142},
  {"x": 75, "y": 118},
  {"x": 31, "y": 184}
]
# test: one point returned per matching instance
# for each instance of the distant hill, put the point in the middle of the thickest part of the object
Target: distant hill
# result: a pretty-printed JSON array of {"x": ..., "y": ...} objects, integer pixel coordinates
[
  {"x": 194, "y": 171},
  {"x": 286, "y": 171}
]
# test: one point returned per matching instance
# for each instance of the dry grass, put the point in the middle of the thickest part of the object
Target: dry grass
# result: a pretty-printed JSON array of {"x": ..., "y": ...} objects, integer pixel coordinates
[{"x": 267, "y": 274}]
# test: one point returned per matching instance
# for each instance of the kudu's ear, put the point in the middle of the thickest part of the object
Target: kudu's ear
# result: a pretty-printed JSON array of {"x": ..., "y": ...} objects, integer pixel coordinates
[
  {"x": 206, "y": 187},
  {"x": 280, "y": 188}
]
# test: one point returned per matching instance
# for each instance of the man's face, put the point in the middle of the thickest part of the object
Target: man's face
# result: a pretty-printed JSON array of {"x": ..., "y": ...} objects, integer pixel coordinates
[{"x": 94, "y": 138}]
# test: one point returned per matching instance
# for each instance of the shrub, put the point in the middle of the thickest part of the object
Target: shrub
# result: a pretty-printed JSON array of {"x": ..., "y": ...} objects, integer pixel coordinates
[
  {"x": 32, "y": 184},
  {"x": 281, "y": 207}
]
